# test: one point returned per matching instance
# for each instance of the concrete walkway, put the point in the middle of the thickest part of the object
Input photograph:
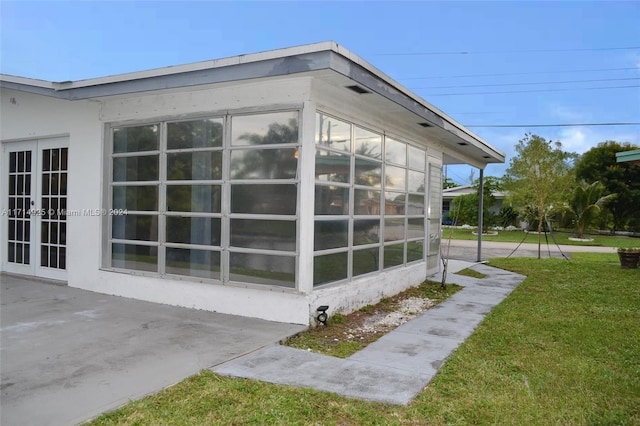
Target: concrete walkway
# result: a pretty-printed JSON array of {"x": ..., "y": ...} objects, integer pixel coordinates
[
  {"x": 400, "y": 364},
  {"x": 69, "y": 355}
]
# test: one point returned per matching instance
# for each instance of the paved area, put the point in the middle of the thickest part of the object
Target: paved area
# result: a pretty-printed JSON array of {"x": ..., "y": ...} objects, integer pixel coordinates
[
  {"x": 400, "y": 364},
  {"x": 67, "y": 355}
]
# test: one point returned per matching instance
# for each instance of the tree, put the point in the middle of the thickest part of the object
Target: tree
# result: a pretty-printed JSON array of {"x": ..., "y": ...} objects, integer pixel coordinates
[
  {"x": 599, "y": 164},
  {"x": 466, "y": 205},
  {"x": 585, "y": 205},
  {"x": 448, "y": 183},
  {"x": 538, "y": 175}
]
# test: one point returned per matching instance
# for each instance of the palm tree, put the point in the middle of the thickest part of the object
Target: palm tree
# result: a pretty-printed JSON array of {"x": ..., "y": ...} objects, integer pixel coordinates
[{"x": 585, "y": 205}]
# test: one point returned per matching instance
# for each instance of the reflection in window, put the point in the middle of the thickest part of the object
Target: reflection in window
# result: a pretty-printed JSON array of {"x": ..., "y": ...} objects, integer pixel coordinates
[
  {"x": 396, "y": 152},
  {"x": 393, "y": 229},
  {"x": 393, "y": 255},
  {"x": 265, "y": 129},
  {"x": 135, "y": 197},
  {"x": 195, "y": 134},
  {"x": 135, "y": 227},
  {"x": 138, "y": 168},
  {"x": 135, "y": 139},
  {"x": 416, "y": 181},
  {"x": 416, "y": 158},
  {"x": 196, "y": 165},
  {"x": 368, "y": 143},
  {"x": 264, "y": 234},
  {"x": 367, "y": 172},
  {"x": 330, "y": 234},
  {"x": 331, "y": 200},
  {"x": 415, "y": 206},
  {"x": 366, "y": 231},
  {"x": 137, "y": 257},
  {"x": 264, "y": 164},
  {"x": 193, "y": 263},
  {"x": 264, "y": 199},
  {"x": 415, "y": 251},
  {"x": 332, "y": 167},
  {"x": 263, "y": 269},
  {"x": 394, "y": 178},
  {"x": 366, "y": 202},
  {"x": 193, "y": 230},
  {"x": 194, "y": 198},
  {"x": 394, "y": 203},
  {"x": 333, "y": 133},
  {"x": 330, "y": 267},
  {"x": 365, "y": 261}
]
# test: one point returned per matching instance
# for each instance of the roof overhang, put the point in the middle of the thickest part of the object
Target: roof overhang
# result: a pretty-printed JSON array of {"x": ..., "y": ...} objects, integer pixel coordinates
[{"x": 321, "y": 60}]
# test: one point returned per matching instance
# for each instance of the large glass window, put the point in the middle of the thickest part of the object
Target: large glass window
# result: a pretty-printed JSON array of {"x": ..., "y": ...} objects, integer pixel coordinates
[
  {"x": 369, "y": 201},
  {"x": 184, "y": 208}
]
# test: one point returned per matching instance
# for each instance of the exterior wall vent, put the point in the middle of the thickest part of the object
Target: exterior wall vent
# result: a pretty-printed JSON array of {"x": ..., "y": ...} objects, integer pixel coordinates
[{"x": 358, "y": 89}]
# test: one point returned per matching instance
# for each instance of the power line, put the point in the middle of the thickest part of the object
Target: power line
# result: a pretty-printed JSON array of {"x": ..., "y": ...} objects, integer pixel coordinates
[
  {"x": 531, "y": 91},
  {"x": 519, "y": 73},
  {"x": 554, "y": 125},
  {"x": 503, "y": 51},
  {"x": 527, "y": 84}
]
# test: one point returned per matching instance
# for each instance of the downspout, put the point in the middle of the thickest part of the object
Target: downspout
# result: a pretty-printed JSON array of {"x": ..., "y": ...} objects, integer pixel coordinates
[{"x": 480, "y": 214}]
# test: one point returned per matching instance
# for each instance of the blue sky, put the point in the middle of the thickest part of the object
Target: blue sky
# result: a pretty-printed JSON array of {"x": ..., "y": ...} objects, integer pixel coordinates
[{"x": 553, "y": 46}]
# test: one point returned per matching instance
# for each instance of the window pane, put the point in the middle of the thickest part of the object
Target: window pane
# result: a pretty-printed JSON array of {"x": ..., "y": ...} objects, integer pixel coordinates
[
  {"x": 264, "y": 199},
  {"x": 394, "y": 203},
  {"x": 331, "y": 234},
  {"x": 330, "y": 267},
  {"x": 263, "y": 269},
  {"x": 195, "y": 134},
  {"x": 394, "y": 178},
  {"x": 194, "y": 198},
  {"x": 193, "y": 263},
  {"x": 265, "y": 129},
  {"x": 332, "y": 167},
  {"x": 199, "y": 165},
  {"x": 264, "y": 234},
  {"x": 366, "y": 202},
  {"x": 135, "y": 139},
  {"x": 415, "y": 250},
  {"x": 365, "y": 261},
  {"x": 396, "y": 152},
  {"x": 368, "y": 143},
  {"x": 366, "y": 231},
  {"x": 416, "y": 158},
  {"x": 133, "y": 169},
  {"x": 416, "y": 205},
  {"x": 333, "y": 133},
  {"x": 393, "y": 255},
  {"x": 193, "y": 230},
  {"x": 127, "y": 256},
  {"x": 416, "y": 181},
  {"x": 415, "y": 228},
  {"x": 434, "y": 236},
  {"x": 367, "y": 172},
  {"x": 135, "y": 197},
  {"x": 135, "y": 227},
  {"x": 331, "y": 200},
  {"x": 393, "y": 229},
  {"x": 264, "y": 164}
]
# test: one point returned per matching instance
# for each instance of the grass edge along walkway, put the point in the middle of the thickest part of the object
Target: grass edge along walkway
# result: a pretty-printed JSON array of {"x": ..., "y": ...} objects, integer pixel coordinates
[{"x": 561, "y": 349}]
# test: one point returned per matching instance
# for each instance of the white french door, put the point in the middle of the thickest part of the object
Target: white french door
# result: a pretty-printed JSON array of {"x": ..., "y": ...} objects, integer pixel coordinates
[{"x": 35, "y": 203}]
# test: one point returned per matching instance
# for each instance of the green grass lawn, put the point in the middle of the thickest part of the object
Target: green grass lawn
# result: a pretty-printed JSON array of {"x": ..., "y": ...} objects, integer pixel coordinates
[
  {"x": 560, "y": 237},
  {"x": 562, "y": 349}
]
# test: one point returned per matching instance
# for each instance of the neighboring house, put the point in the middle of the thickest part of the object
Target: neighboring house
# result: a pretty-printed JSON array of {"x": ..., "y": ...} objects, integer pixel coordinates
[
  {"x": 250, "y": 185},
  {"x": 629, "y": 156},
  {"x": 449, "y": 194}
]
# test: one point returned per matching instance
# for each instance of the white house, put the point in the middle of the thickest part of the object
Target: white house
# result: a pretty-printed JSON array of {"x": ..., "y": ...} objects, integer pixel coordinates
[
  {"x": 261, "y": 185},
  {"x": 450, "y": 194}
]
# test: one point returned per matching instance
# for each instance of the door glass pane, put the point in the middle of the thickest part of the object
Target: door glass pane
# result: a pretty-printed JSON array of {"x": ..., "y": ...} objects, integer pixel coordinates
[
  {"x": 193, "y": 263},
  {"x": 263, "y": 269},
  {"x": 265, "y": 129},
  {"x": 195, "y": 134},
  {"x": 264, "y": 164},
  {"x": 264, "y": 234},
  {"x": 19, "y": 203},
  {"x": 330, "y": 267}
]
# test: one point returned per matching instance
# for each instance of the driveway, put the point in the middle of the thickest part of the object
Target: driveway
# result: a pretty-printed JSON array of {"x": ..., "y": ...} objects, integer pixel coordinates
[{"x": 67, "y": 355}]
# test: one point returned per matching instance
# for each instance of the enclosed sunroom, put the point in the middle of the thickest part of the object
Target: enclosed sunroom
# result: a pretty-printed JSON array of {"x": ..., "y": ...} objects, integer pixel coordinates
[{"x": 262, "y": 185}]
